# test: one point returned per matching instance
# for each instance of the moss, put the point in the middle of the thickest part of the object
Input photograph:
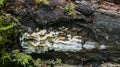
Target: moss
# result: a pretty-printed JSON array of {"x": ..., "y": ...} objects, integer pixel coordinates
[
  {"x": 70, "y": 10},
  {"x": 7, "y": 33},
  {"x": 16, "y": 59},
  {"x": 2, "y": 2},
  {"x": 38, "y": 62},
  {"x": 58, "y": 61},
  {"x": 48, "y": 63},
  {"x": 45, "y": 2},
  {"x": 7, "y": 26},
  {"x": 6, "y": 57},
  {"x": 3, "y": 5},
  {"x": 21, "y": 58}
]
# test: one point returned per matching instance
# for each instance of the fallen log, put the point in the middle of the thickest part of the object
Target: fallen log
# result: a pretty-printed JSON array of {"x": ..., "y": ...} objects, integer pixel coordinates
[{"x": 87, "y": 38}]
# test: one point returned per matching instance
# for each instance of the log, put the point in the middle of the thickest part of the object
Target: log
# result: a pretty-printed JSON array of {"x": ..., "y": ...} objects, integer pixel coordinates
[
  {"x": 91, "y": 37},
  {"x": 104, "y": 50}
]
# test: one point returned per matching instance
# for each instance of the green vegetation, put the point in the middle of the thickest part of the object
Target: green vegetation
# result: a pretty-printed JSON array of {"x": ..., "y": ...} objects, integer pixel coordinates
[
  {"x": 45, "y": 2},
  {"x": 6, "y": 57},
  {"x": 38, "y": 62},
  {"x": 7, "y": 29},
  {"x": 2, "y": 2},
  {"x": 3, "y": 5},
  {"x": 21, "y": 58},
  {"x": 17, "y": 59},
  {"x": 7, "y": 26},
  {"x": 70, "y": 10}
]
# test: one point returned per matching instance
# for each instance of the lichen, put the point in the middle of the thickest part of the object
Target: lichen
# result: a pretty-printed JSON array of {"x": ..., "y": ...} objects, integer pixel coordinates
[
  {"x": 42, "y": 41},
  {"x": 39, "y": 42}
]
